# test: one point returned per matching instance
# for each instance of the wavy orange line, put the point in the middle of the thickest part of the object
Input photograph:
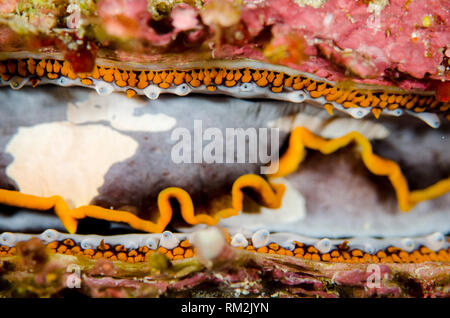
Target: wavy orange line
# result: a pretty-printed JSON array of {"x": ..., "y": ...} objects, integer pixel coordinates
[
  {"x": 302, "y": 138},
  {"x": 270, "y": 193}
]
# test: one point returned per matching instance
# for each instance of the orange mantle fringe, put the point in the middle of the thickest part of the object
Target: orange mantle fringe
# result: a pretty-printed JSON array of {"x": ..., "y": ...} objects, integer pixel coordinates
[{"x": 271, "y": 194}]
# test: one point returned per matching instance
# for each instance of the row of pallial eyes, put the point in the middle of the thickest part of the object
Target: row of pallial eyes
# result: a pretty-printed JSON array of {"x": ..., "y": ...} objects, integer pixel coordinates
[{"x": 168, "y": 240}]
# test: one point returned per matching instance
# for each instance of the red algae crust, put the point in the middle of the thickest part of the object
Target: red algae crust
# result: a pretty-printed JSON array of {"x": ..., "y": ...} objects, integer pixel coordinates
[
  {"x": 402, "y": 43},
  {"x": 374, "y": 40},
  {"x": 233, "y": 273}
]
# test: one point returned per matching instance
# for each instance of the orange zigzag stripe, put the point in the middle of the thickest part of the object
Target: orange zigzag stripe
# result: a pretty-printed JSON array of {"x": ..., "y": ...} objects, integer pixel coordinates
[
  {"x": 301, "y": 138},
  {"x": 271, "y": 195}
]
